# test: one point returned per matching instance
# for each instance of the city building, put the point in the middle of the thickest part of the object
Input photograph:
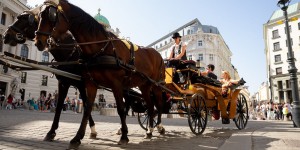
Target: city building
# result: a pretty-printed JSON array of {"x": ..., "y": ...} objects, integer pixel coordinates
[{"x": 276, "y": 52}]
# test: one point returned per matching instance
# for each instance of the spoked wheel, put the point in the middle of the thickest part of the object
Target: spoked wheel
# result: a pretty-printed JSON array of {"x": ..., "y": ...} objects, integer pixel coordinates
[
  {"x": 242, "y": 117},
  {"x": 197, "y": 114},
  {"x": 143, "y": 120}
]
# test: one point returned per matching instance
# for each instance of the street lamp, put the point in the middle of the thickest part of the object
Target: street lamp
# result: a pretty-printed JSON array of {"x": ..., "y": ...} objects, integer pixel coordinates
[{"x": 283, "y": 4}]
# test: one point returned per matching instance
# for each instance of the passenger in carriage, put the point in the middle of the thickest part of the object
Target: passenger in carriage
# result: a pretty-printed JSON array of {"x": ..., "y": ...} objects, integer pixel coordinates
[
  {"x": 209, "y": 72},
  {"x": 227, "y": 82}
]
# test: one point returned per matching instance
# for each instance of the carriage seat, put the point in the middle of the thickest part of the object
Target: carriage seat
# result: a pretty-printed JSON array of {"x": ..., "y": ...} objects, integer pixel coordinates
[
  {"x": 206, "y": 80},
  {"x": 184, "y": 64}
]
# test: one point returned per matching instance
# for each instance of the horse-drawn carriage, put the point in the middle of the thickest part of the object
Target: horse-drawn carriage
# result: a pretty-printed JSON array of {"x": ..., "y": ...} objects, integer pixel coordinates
[
  {"x": 200, "y": 97},
  {"x": 99, "y": 58}
]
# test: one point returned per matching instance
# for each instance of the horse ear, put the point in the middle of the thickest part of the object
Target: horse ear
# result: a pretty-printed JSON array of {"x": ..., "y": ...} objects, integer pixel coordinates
[
  {"x": 52, "y": 14},
  {"x": 31, "y": 19}
]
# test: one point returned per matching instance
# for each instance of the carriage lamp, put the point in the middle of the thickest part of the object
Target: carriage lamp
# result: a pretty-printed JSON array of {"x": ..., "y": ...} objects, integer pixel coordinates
[{"x": 283, "y": 4}]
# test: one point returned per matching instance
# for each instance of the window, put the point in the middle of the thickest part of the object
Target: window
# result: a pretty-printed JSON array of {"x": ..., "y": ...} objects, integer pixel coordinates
[
  {"x": 24, "y": 51},
  {"x": 44, "y": 80},
  {"x": 211, "y": 57},
  {"x": 298, "y": 25},
  {"x": 23, "y": 77},
  {"x": 275, "y": 34},
  {"x": 166, "y": 42},
  {"x": 287, "y": 83},
  {"x": 277, "y": 58},
  {"x": 45, "y": 57},
  {"x": 279, "y": 84},
  {"x": 160, "y": 45},
  {"x": 3, "y": 18},
  {"x": 286, "y": 43},
  {"x": 190, "y": 57},
  {"x": 289, "y": 29},
  {"x": 200, "y": 57},
  {"x": 166, "y": 54},
  {"x": 189, "y": 32},
  {"x": 200, "y": 43},
  {"x": 276, "y": 46},
  {"x": 278, "y": 70}
]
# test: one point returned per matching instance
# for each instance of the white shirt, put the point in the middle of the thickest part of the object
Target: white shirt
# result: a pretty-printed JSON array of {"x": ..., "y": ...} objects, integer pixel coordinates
[{"x": 177, "y": 47}]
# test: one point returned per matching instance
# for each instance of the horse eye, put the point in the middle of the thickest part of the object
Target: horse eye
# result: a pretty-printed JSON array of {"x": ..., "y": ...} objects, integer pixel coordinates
[{"x": 52, "y": 14}]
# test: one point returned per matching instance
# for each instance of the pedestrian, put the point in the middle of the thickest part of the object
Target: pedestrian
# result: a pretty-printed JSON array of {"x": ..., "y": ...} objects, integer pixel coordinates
[
  {"x": 280, "y": 114},
  {"x": 41, "y": 101},
  {"x": 289, "y": 115},
  {"x": 73, "y": 105},
  {"x": 9, "y": 102},
  {"x": 2, "y": 98},
  {"x": 48, "y": 102},
  {"x": 285, "y": 112}
]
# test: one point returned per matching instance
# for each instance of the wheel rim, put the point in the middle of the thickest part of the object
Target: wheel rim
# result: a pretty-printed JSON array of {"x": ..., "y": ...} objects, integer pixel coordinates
[
  {"x": 242, "y": 112},
  {"x": 143, "y": 120},
  {"x": 197, "y": 114}
]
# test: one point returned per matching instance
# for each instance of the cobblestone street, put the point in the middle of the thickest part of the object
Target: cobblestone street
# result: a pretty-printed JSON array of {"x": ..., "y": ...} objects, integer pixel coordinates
[{"x": 26, "y": 130}]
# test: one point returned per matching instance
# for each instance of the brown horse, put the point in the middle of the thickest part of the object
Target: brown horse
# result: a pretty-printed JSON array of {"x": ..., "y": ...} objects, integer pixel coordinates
[
  {"x": 24, "y": 28},
  {"x": 94, "y": 40}
]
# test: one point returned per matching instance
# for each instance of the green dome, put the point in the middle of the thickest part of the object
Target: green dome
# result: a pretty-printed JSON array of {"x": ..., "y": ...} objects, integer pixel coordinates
[{"x": 101, "y": 19}]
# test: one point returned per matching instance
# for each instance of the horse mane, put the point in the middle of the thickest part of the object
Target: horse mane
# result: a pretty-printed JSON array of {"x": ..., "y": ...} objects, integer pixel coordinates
[
  {"x": 79, "y": 19},
  {"x": 34, "y": 11}
]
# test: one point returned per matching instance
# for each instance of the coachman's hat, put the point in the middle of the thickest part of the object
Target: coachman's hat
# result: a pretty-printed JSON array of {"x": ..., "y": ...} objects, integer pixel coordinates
[{"x": 176, "y": 35}]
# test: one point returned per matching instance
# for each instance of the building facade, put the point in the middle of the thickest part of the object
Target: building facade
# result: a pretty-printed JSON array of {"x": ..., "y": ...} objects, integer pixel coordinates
[
  {"x": 204, "y": 43},
  {"x": 276, "y": 52}
]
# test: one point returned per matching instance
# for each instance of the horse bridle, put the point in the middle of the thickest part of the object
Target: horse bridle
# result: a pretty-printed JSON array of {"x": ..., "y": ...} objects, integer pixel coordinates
[{"x": 20, "y": 34}]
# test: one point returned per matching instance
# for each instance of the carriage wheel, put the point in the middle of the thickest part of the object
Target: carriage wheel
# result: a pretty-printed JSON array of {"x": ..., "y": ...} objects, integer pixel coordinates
[
  {"x": 143, "y": 120},
  {"x": 241, "y": 112},
  {"x": 197, "y": 114}
]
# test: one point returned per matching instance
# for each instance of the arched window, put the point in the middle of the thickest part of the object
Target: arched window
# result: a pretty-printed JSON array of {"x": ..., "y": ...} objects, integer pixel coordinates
[
  {"x": 45, "y": 57},
  {"x": 24, "y": 51}
]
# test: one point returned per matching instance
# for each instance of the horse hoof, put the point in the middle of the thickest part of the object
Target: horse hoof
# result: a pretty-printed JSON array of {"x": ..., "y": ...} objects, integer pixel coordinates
[
  {"x": 50, "y": 137},
  {"x": 148, "y": 136},
  {"x": 74, "y": 145},
  {"x": 162, "y": 131},
  {"x": 123, "y": 141},
  {"x": 93, "y": 135},
  {"x": 119, "y": 132}
]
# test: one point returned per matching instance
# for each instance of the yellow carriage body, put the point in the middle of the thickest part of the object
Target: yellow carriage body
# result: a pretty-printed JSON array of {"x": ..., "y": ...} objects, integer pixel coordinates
[{"x": 212, "y": 94}]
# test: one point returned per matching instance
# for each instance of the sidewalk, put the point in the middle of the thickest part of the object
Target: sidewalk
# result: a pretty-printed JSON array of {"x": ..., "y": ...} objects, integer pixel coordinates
[{"x": 278, "y": 135}]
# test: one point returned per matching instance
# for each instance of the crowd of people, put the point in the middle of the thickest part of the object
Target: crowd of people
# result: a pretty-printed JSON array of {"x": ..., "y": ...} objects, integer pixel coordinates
[
  {"x": 9, "y": 102},
  {"x": 273, "y": 111},
  {"x": 48, "y": 103}
]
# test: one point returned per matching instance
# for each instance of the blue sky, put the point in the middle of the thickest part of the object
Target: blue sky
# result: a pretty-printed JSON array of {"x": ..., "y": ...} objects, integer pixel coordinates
[{"x": 239, "y": 22}]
